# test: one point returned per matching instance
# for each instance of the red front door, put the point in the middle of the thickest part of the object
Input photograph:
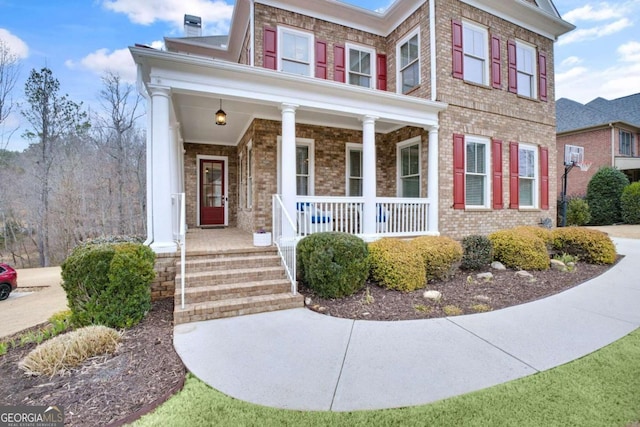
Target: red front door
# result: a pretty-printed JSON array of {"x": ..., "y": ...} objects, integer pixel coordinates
[{"x": 212, "y": 196}]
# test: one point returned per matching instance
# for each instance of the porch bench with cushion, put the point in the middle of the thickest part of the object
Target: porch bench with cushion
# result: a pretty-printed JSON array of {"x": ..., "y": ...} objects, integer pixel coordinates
[{"x": 313, "y": 220}]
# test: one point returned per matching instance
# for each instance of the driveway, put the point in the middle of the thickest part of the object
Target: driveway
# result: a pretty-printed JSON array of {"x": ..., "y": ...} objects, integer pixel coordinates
[{"x": 39, "y": 295}]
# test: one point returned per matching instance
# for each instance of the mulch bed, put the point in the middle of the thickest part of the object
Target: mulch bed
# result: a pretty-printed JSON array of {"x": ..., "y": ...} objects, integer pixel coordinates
[
  {"x": 144, "y": 371},
  {"x": 463, "y": 290}
]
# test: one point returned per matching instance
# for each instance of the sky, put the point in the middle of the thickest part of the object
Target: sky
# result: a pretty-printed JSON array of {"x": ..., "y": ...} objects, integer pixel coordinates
[{"x": 80, "y": 40}]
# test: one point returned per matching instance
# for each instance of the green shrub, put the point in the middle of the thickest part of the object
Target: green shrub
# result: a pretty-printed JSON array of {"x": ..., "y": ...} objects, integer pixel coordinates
[
  {"x": 630, "y": 203},
  {"x": 333, "y": 264},
  {"x": 591, "y": 246},
  {"x": 578, "y": 212},
  {"x": 603, "y": 195},
  {"x": 108, "y": 284},
  {"x": 440, "y": 254},
  {"x": 543, "y": 233},
  {"x": 520, "y": 250},
  {"x": 477, "y": 252},
  {"x": 395, "y": 264}
]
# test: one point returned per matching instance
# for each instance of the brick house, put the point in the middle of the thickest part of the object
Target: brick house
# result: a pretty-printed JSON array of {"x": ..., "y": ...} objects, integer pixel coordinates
[
  {"x": 433, "y": 117},
  {"x": 605, "y": 132}
]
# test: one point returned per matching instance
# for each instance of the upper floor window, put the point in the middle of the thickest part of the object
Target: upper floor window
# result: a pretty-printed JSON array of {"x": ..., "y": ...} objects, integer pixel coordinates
[
  {"x": 526, "y": 69},
  {"x": 408, "y": 53},
  {"x": 409, "y": 168},
  {"x": 361, "y": 66},
  {"x": 476, "y": 172},
  {"x": 295, "y": 52},
  {"x": 528, "y": 176},
  {"x": 354, "y": 170},
  {"x": 626, "y": 143},
  {"x": 475, "y": 46}
]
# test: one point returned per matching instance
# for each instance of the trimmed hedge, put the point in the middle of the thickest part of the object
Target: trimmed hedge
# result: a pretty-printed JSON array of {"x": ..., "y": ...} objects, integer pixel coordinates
[
  {"x": 603, "y": 195},
  {"x": 109, "y": 284},
  {"x": 630, "y": 203},
  {"x": 477, "y": 252},
  {"x": 519, "y": 249},
  {"x": 591, "y": 246},
  {"x": 578, "y": 212},
  {"x": 543, "y": 233},
  {"x": 396, "y": 264},
  {"x": 440, "y": 254},
  {"x": 333, "y": 264}
]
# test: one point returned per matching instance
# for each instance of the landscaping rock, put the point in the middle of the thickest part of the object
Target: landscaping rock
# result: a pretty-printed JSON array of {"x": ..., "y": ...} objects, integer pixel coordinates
[
  {"x": 432, "y": 295},
  {"x": 524, "y": 274},
  {"x": 482, "y": 298},
  {"x": 487, "y": 277},
  {"x": 558, "y": 265},
  {"x": 307, "y": 301},
  {"x": 497, "y": 265}
]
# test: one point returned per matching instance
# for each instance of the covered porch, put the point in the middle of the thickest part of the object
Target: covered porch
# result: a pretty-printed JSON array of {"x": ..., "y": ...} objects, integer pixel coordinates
[{"x": 257, "y": 182}]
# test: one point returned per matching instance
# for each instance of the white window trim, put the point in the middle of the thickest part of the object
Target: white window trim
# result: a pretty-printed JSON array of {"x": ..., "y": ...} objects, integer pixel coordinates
[
  {"x": 534, "y": 60},
  {"x": 404, "y": 40},
  {"x": 241, "y": 183},
  {"x": 487, "y": 53},
  {"x": 412, "y": 141},
  {"x": 312, "y": 174},
  {"x": 310, "y": 38},
  {"x": 250, "y": 156},
  {"x": 536, "y": 178},
  {"x": 488, "y": 169},
  {"x": 225, "y": 159},
  {"x": 351, "y": 146},
  {"x": 372, "y": 53}
]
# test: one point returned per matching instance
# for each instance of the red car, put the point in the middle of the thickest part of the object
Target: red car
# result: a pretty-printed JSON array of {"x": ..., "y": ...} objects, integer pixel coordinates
[{"x": 8, "y": 280}]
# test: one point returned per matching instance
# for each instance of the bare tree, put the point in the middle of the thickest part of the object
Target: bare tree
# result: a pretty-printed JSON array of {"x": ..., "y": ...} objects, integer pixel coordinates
[
  {"x": 52, "y": 118},
  {"x": 9, "y": 72}
]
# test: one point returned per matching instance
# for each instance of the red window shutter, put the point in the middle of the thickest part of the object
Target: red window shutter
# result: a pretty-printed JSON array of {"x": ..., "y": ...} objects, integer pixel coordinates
[
  {"x": 544, "y": 178},
  {"x": 496, "y": 63},
  {"x": 457, "y": 53},
  {"x": 381, "y": 70},
  {"x": 514, "y": 176},
  {"x": 496, "y": 155},
  {"x": 513, "y": 66},
  {"x": 458, "y": 171},
  {"x": 339, "y": 63},
  {"x": 321, "y": 59},
  {"x": 270, "y": 48},
  {"x": 542, "y": 75}
]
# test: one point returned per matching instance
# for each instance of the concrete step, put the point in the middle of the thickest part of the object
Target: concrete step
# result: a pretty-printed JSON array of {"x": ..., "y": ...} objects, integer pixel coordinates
[
  {"x": 238, "y": 275},
  {"x": 196, "y": 255},
  {"x": 236, "y": 307},
  {"x": 230, "y": 263},
  {"x": 233, "y": 290}
]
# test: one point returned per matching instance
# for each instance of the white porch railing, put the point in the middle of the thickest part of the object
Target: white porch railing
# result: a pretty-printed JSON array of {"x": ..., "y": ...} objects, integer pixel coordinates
[
  {"x": 395, "y": 217},
  {"x": 179, "y": 232},
  {"x": 285, "y": 237}
]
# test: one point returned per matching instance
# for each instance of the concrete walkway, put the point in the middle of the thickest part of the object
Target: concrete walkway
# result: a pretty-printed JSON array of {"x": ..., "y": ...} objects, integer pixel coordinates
[{"x": 299, "y": 359}]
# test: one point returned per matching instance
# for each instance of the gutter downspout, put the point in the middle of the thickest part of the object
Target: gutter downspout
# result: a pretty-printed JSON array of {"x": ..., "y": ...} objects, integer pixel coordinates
[
  {"x": 145, "y": 95},
  {"x": 432, "y": 49},
  {"x": 613, "y": 145},
  {"x": 252, "y": 38}
]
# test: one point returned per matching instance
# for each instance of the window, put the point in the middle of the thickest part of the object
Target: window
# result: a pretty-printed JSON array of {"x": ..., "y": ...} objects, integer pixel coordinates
[
  {"x": 475, "y": 53},
  {"x": 361, "y": 66},
  {"x": 249, "y": 175},
  {"x": 409, "y": 62},
  {"x": 527, "y": 176},
  {"x": 296, "y": 52},
  {"x": 241, "y": 181},
  {"x": 526, "y": 69},
  {"x": 476, "y": 172},
  {"x": 626, "y": 143},
  {"x": 409, "y": 168},
  {"x": 304, "y": 168},
  {"x": 354, "y": 170}
]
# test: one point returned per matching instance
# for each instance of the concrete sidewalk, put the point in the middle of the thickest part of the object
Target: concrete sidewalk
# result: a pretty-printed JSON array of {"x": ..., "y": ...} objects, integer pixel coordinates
[{"x": 299, "y": 359}]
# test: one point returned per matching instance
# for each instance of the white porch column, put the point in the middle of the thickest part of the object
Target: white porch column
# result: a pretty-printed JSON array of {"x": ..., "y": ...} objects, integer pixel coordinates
[
  {"x": 161, "y": 139},
  {"x": 432, "y": 179},
  {"x": 288, "y": 170},
  {"x": 369, "y": 175}
]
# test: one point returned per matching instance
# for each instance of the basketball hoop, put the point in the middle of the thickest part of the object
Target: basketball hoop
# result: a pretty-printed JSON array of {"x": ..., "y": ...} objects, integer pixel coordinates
[{"x": 584, "y": 166}]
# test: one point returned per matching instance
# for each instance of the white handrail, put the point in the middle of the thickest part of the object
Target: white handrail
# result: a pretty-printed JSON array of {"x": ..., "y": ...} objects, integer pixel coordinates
[
  {"x": 285, "y": 238},
  {"x": 182, "y": 229}
]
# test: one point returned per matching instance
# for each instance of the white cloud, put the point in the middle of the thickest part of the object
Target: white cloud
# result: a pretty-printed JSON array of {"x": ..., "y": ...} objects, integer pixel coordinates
[
  {"x": 570, "y": 75},
  {"x": 630, "y": 52},
  {"x": 595, "y": 32},
  {"x": 215, "y": 15},
  {"x": 16, "y": 45},
  {"x": 601, "y": 12},
  {"x": 571, "y": 61},
  {"x": 102, "y": 60}
]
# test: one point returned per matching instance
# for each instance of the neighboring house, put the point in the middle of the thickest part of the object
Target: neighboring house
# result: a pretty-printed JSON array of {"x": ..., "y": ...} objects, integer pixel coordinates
[
  {"x": 433, "y": 117},
  {"x": 604, "y": 132}
]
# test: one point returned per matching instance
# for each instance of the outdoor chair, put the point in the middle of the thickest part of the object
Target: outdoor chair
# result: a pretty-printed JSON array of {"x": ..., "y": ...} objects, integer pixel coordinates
[{"x": 313, "y": 220}]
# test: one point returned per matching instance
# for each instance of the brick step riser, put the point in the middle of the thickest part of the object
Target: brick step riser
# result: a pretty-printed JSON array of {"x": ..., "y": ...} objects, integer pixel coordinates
[
  {"x": 230, "y": 278},
  {"x": 223, "y": 255},
  {"x": 231, "y": 311},
  {"x": 221, "y": 265},
  {"x": 208, "y": 295}
]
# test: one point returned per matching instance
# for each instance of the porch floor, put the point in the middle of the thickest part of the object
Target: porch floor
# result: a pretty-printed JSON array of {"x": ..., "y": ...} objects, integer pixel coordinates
[{"x": 213, "y": 240}]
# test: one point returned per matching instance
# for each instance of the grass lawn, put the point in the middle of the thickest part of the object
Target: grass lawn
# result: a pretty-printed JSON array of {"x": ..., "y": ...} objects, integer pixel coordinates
[{"x": 601, "y": 389}]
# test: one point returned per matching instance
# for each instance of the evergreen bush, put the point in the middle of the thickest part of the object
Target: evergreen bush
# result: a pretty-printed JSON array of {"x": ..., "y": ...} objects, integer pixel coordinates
[
  {"x": 630, "y": 203},
  {"x": 333, "y": 264},
  {"x": 440, "y": 255},
  {"x": 603, "y": 195},
  {"x": 397, "y": 265},
  {"x": 591, "y": 246},
  {"x": 477, "y": 252},
  {"x": 578, "y": 212},
  {"x": 518, "y": 249}
]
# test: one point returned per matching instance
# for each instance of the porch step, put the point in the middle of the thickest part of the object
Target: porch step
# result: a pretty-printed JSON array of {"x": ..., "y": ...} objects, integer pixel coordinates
[
  {"x": 202, "y": 264},
  {"x": 231, "y": 253},
  {"x": 227, "y": 276},
  {"x": 230, "y": 291},
  {"x": 236, "y": 307}
]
